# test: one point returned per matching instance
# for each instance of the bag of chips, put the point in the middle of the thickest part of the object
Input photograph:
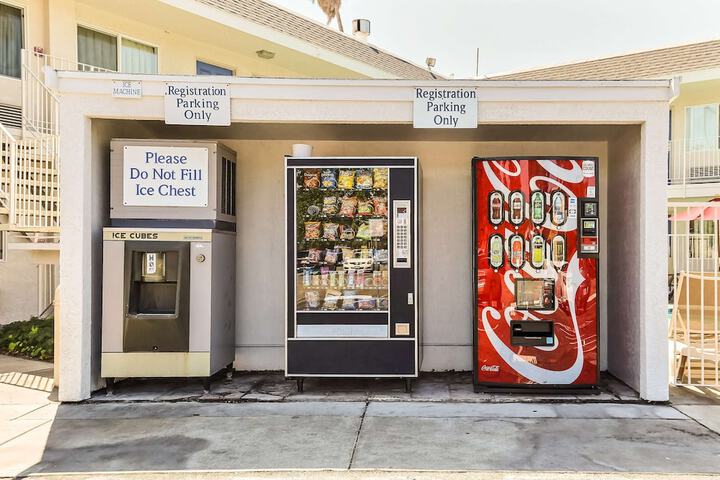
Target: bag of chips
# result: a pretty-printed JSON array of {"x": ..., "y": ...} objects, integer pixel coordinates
[
  {"x": 330, "y": 205},
  {"x": 331, "y": 256},
  {"x": 346, "y": 179},
  {"x": 363, "y": 232},
  {"x": 365, "y": 207},
  {"x": 312, "y": 230},
  {"x": 364, "y": 179},
  {"x": 380, "y": 178},
  {"x": 332, "y": 297},
  {"x": 330, "y": 231},
  {"x": 328, "y": 179},
  {"x": 380, "y": 255},
  {"x": 348, "y": 302},
  {"x": 348, "y": 206},
  {"x": 311, "y": 178},
  {"x": 366, "y": 302},
  {"x": 377, "y": 227},
  {"x": 347, "y": 233},
  {"x": 312, "y": 298},
  {"x": 380, "y": 206},
  {"x": 314, "y": 255}
]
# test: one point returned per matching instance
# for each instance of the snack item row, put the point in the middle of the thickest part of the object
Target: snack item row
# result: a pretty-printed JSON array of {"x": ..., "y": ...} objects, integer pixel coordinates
[
  {"x": 334, "y": 256},
  {"x": 327, "y": 277},
  {"x": 351, "y": 206},
  {"x": 346, "y": 178},
  {"x": 344, "y": 300},
  {"x": 332, "y": 231}
]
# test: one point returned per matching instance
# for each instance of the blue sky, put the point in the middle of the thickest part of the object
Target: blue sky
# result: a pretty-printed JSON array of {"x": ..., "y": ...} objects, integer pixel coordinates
[{"x": 521, "y": 34}]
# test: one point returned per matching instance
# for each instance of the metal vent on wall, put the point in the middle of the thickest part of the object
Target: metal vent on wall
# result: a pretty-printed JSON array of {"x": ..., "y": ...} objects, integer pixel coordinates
[
  {"x": 10, "y": 116},
  {"x": 229, "y": 170}
]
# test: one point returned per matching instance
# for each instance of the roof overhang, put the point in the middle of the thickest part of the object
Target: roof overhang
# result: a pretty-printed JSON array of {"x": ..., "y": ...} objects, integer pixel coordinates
[{"x": 282, "y": 100}]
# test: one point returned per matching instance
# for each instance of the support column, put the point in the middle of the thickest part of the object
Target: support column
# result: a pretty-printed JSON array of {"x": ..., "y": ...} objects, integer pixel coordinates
[
  {"x": 654, "y": 258},
  {"x": 75, "y": 260}
]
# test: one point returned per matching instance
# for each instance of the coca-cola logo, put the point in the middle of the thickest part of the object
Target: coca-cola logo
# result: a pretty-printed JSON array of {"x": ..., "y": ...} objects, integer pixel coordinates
[{"x": 490, "y": 368}]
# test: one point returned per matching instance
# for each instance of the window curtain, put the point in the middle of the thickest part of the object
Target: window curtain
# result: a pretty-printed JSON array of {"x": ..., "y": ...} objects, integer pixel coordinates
[
  {"x": 138, "y": 58},
  {"x": 702, "y": 128},
  {"x": 97, "y": 49},
  {"x": 11, "y": 43}
]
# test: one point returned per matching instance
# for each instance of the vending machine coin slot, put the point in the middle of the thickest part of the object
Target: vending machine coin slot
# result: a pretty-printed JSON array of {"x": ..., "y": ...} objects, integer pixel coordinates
[
  {"x": 532, "y": 333},
  {"x": 401, "y": 234}
]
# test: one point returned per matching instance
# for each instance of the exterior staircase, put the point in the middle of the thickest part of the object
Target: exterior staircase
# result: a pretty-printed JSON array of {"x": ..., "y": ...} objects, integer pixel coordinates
[{"x": 29, "y": 161}]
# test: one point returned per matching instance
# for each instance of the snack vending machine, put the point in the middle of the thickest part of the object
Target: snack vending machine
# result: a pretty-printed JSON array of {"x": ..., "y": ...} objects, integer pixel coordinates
[
  {"x": 536, "y": 249},
  {"x": 352, "y": 268}
]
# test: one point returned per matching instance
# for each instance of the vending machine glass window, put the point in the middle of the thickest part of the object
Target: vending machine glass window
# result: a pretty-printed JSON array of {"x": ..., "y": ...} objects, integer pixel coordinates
[{"x": 342, "y": 239}]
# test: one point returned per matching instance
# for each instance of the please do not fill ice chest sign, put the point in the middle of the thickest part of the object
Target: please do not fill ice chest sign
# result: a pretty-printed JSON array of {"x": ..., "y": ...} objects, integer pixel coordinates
[
  {"x": 155, "y": 176},
  {"x": 444, "y": 107}
]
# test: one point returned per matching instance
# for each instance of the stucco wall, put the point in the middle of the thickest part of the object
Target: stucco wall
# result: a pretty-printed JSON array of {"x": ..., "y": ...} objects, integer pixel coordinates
[
  {"x": 18, "y": 287},
  {"x": 446, "y": 240},
  {"x": 697, "y": 93},
  {"x": 35, "y": 33}
]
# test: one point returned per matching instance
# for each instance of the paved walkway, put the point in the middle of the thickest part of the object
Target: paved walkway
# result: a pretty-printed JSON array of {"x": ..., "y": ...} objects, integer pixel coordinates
[{"x": 324, "y": 438}]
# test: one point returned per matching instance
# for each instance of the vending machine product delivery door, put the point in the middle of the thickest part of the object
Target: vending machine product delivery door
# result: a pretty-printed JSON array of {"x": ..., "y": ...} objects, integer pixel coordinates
[
  {"x": 535, "y": 253},
  {"x": 352, "y": 268}
]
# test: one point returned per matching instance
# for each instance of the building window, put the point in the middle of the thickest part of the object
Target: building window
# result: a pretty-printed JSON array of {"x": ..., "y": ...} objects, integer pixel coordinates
[
  {"x": 116, "y": 53},
  {"x": 97, "y": 49},
  {"x": 3, "y": 246},
  {"x": 203, "y": 68},
  {"x": 702, "y": 127},
  {"x": 11, "y": 40},
  {"x": 138, "y": 58}
]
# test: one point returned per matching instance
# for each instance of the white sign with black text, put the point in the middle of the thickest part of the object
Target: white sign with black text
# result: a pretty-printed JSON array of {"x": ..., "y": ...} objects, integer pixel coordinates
[
  {"x": 444, "y": 107},
  {"x": 165, "y": 176},
  {"x": 197, "y": 104},
  {"x": 127, "y": 89}
]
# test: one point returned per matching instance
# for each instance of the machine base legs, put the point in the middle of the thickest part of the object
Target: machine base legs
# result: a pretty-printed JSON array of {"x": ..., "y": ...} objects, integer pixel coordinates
[
  {"x": 206, "y": 384},
  {"x": 408, "y": 385},
  {"x": 109, "y": 386},
  {"x": 300, "y": 386},
  {"x": 229, "y": 371}
]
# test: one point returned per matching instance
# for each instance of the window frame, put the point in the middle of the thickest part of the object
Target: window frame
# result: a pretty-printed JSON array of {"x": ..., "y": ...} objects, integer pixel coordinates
[
  {"x": 23, "y": 25},
  {"x": 118, "y": 44},
  {"x": 686, "y": 137},
  {"x": 213, "y": 64}
]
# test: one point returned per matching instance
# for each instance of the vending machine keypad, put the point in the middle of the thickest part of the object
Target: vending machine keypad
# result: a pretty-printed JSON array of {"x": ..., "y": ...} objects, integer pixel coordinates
[{"x": 401, "y": 234}]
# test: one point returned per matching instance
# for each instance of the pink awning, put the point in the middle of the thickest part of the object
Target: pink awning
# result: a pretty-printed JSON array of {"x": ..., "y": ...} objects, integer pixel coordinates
[{"x": 694, "y": 213}]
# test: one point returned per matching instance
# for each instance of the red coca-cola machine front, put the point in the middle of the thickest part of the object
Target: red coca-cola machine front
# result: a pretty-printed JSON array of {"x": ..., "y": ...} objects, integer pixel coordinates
[{"x": 536, "y": 249}]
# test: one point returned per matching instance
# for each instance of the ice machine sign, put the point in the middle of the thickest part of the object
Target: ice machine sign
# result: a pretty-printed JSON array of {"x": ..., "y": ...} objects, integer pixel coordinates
[
  {"x": 165, "y": 176},
  {"x": 401, "y": 234}
]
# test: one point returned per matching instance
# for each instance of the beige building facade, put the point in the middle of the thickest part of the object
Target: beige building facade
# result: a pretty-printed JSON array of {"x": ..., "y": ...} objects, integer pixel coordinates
[{"x": 250, "y": 38}]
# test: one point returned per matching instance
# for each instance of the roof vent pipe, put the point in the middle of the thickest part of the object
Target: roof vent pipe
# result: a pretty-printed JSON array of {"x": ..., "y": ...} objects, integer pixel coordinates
[{"x": 361, "y": 29}]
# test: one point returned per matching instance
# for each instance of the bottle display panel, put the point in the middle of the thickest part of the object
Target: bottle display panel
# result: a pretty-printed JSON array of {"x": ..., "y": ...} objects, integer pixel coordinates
[
  {"x": 342, "y": 239},
  {"x": 552, "y": 285}
]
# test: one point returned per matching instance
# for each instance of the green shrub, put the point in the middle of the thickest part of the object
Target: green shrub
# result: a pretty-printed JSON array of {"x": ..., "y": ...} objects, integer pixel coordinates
[{"x": 30, "y": 338}]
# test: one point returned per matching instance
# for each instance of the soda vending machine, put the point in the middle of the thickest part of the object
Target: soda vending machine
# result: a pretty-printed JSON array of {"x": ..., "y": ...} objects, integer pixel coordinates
[
  {"x": 536, "y": 249},
  {"x": 352, "y": 268}
]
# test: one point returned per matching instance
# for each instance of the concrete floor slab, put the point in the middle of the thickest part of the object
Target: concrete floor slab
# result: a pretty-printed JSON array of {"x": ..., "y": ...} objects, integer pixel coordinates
[
  {"x": 706, "y": 415},
  {"x": 540, "y": 444},
  {"x": 23, "y": 452},
  {"x": 199, "y": 443},
  {"x": 119, "y": 411}
]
